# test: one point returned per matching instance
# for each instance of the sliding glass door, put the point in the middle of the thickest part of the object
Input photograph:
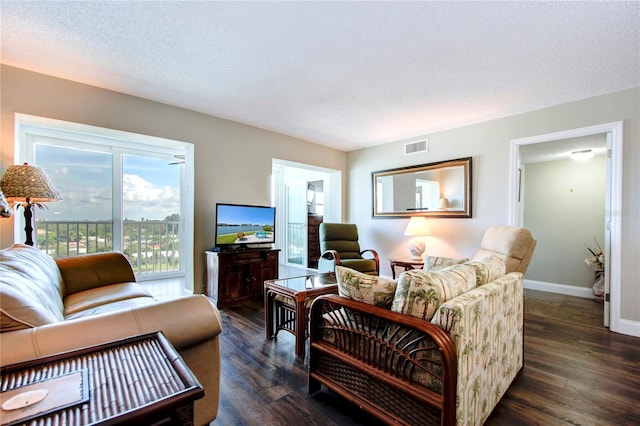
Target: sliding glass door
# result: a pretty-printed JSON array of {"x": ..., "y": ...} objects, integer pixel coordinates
[
  {"x": 297, "y": 224},
  {"x": 127, "y": 194},
  {"x": 151, "y": 213}
]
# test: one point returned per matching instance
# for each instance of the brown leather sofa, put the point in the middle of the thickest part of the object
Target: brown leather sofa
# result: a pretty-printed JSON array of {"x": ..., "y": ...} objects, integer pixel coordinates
[{"x": 50, "y": 306}]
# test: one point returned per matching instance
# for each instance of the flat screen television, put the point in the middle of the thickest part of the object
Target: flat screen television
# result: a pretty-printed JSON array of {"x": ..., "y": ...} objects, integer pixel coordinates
[{"x": 244, "y": 225}]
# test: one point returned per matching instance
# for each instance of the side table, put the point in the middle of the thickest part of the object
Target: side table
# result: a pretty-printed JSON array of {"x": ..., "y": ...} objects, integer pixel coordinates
[
  {"x": 287, "y": 301},
  {"x": 407, "y": 264},
  {"x": 138, "y": 380}
]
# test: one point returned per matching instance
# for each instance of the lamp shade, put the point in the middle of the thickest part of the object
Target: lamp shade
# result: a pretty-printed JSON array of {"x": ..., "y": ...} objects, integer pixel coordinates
[
  {"x": 28, "y": 184},
  {"x": 418, "y": 227}
]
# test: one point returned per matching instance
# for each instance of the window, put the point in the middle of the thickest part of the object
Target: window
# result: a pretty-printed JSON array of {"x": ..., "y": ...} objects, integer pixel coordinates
[{"x": 121, "y": 191}]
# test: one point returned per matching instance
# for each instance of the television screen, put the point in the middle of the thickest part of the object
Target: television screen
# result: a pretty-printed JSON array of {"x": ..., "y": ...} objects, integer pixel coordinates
[{"x": 243, "y": 224}]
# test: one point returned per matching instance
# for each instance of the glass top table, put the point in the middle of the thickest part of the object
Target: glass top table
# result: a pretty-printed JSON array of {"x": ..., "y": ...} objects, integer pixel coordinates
[
  {"x": 287, "y": 301},
  {"x": 305, "y": 282}
]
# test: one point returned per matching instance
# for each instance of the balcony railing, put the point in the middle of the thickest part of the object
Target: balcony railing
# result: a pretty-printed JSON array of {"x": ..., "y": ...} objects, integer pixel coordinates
[{"x": 151, "y": 246}]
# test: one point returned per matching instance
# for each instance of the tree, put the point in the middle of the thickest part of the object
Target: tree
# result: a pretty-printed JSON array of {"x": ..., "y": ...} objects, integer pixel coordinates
[{"x": 172, "y": 218}]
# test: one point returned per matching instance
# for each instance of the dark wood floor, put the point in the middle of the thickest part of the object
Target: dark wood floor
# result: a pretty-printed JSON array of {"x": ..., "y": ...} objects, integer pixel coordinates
[{"x": 576, "y": 373}]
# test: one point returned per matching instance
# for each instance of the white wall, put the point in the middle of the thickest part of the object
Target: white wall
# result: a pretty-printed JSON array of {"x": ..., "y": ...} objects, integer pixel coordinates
[
  {"x": 489, "y": 145},
  {"x": 564, "y": 207},
  {"x": 232, "y": 160}
]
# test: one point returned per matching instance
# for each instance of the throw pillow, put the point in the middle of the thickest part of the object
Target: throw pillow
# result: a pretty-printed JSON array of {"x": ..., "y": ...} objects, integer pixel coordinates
[
  {"x": 420, "y": 293},
  {"x": 365, "y": 288},
  {"x": 488, "y": 268},
  {"x": 432, "y": 263}
]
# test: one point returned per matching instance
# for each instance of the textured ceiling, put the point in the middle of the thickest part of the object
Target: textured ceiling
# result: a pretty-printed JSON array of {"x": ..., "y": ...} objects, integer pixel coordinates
[{"x": 342, "y": 74}]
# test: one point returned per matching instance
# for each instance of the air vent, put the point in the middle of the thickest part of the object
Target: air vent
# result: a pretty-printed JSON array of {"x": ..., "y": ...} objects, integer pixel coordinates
[{"x": 416, "y": 147}]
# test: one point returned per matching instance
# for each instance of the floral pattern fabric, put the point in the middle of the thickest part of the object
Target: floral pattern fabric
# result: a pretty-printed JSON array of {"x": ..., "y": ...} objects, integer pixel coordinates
[
  {"x": 365, "y": 288},
  {"x": 488, "y": 268},
  {"x": 486, "y": 325},
  {"x": 419, "y": 293},
  {"x": 483, "y": 311},
  {"x": 433, "y": 263}
]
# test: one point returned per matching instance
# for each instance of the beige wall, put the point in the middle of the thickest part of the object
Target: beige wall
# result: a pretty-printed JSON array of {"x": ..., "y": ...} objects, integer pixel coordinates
[
  {"x": 564, "y": 207},
  {"x": 220, "y": 145},
  {"x": 232, "y": 161},
  {"x": 489, "y": 144}
]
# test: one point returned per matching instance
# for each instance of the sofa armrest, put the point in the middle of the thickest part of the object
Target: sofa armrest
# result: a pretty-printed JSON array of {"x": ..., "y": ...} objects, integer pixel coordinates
[
  {"x": 89, "y": 271},
  {"x": 328, "y": 260},
  {"x": 397, "y": 356},
  {"x": 375, "y": 257},
  {"x": 185, "y": 322},
  {"x": 486, "y": 325},
  {"x": 332, "y": 255}
]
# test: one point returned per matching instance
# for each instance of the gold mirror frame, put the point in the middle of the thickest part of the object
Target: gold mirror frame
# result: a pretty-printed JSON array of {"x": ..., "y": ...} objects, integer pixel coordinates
[{"x": 441, "y": 189}]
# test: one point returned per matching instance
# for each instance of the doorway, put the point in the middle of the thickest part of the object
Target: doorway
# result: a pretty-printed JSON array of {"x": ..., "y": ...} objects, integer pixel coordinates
[
  {"x": 304, "y": 196},
  {"x": 612, "y": 132}
]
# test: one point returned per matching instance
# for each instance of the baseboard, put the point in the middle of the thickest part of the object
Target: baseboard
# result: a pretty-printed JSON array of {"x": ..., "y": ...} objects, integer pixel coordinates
[
  {"x": 569, "y": 290},
  {"x": 622, "y": 326},
  {"x": 631, "y": 328}
]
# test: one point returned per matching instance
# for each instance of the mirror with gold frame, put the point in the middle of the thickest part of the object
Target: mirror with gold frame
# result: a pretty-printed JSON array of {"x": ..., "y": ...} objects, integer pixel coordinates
[{"x": 441, "y": 189}]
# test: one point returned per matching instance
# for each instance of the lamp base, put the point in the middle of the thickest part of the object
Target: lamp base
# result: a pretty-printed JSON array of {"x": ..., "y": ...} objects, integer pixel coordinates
[
  {"x": 28, "y": 220},
  {"x": 416, "y": 248}
]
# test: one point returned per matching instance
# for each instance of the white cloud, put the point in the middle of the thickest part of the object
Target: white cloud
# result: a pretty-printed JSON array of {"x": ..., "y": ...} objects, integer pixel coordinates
[{"x": 143, "y": 199}]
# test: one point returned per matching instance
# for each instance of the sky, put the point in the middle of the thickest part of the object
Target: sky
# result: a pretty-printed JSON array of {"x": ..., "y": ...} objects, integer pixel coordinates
[
  {"x": 256, "y": 215},
  {"x": 151, "y": 187}
]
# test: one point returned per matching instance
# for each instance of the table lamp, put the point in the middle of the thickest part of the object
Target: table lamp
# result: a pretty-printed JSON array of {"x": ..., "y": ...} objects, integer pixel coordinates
[
  {"x": 444, "y": 203},
  {"x": 28, "y": 185},
  {"x": 417, "y": 227}
]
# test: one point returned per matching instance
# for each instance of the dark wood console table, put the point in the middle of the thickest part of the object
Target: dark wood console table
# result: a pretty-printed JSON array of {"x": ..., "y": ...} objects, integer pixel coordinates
[
  {"x": 139, "y": 380},
  {"x": 236, "y": 276}
]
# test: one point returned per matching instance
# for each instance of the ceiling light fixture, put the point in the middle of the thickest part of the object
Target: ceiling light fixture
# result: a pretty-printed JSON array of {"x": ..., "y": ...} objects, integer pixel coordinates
[{"x": 584, "y": 154}]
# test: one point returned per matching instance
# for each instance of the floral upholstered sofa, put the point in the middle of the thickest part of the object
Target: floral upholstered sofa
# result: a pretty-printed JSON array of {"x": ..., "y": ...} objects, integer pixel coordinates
[{"x": 437, "y": 346}]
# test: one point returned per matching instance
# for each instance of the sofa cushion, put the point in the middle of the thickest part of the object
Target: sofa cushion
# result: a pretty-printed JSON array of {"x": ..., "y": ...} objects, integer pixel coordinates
[
  {"x": 23, "y": 309},
  {"x": 365, "y": 288},
  {"x": 126, "y": 304},
  {"x": 419, "y": 293},
  {"x": 30, "y": 288},
  {"x": 432, "y": 263},
  {"x": 362, "y": 265},
  {"x": 93, "y": 270},
  {"x": 105, "y": 295},
  {"x": 488, "y": 268}
]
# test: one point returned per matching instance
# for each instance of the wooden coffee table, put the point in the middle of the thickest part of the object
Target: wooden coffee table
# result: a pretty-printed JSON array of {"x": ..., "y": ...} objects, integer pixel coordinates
[
  {"x": 138, "y": 380},
  {"x": 287, "y": 301}
]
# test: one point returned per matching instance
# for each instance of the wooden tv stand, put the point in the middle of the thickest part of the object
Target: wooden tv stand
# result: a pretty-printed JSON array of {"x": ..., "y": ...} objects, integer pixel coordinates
[{"x": 235, "y": 277}]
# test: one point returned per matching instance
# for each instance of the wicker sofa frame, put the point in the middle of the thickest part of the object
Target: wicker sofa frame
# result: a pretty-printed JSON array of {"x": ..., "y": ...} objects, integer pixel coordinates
[{"x": 380, "y": 360}]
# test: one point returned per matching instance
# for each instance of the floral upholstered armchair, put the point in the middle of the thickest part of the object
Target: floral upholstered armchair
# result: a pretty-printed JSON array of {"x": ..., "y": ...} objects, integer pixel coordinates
[{"x": 437, "y": 346}]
